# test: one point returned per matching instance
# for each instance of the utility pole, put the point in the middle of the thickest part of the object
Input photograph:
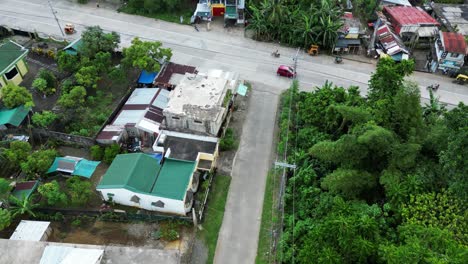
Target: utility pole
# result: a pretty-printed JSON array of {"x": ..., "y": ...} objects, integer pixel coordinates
[
  {"x": 295, "y": 62},
  {"x": 56, "y": 19}
]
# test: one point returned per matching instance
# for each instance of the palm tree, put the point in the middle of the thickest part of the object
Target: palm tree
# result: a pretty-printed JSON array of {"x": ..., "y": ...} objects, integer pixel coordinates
[
  {"x": 22, "y": 206},
  {"x": 257, "y": 22}
]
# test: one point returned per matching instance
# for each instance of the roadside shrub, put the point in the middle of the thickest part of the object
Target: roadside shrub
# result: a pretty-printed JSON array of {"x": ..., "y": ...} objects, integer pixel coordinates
[
  {"x": 97, "y": 152},
  {"x": 228, "y": 142},
  {"x": 110, "y": 152}
]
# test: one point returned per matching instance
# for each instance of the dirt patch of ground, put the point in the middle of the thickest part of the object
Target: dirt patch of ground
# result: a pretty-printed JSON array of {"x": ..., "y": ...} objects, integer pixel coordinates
[
  {"x": 226, "y": 158},
  {"x": 199, "y": 252},
  {"x": 107, "y": 233}
]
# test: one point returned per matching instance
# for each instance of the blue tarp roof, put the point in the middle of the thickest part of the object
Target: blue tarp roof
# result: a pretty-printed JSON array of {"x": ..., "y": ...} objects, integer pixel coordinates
[
  {"x": 157, "y": 156},
  {"x": 147, "y": 77}
]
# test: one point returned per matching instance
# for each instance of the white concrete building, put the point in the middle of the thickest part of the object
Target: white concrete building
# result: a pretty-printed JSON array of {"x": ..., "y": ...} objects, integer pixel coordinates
[
  {"x": 142, "y": 181},
  {"x": 199, "y": 103}
]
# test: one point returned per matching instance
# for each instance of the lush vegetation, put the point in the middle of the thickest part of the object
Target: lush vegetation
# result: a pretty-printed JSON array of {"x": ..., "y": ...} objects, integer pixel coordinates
[
  {"x": 87, "y": 99},
  {"x": 13, "y": 96},
  {"x": 228, "y": 141},
  {"x": 214, "y": 213},
  {"x": 379, "y": 180},
  {"x": 297, "y": 22},
  {"x": 270, "y": 219},
  {"x": 169, "y": 10}
]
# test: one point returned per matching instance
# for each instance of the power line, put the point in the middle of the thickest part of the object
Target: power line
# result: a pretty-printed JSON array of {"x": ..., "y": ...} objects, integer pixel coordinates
[{"x": 56, "y": 19}]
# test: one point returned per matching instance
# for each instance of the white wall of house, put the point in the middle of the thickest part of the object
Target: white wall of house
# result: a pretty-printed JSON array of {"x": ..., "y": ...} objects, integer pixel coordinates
[{"x": 124, "y": 196}]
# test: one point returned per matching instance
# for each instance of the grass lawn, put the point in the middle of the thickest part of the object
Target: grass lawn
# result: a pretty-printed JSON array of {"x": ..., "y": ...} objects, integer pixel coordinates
[
  {"x": 173, "y": 17},
  {"x": 269, "y": 217},
  {"x": 214, "y": 214}
]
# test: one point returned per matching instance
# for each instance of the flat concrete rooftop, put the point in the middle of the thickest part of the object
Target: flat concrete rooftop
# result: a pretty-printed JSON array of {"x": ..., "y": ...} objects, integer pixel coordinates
[
  {"x": 188, "y": 149},
  {"x": 28, "y": 252}
]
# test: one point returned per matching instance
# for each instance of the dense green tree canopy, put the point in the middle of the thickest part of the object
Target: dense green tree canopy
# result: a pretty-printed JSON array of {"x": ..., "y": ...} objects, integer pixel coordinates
[
  {"x": 95, "y": 40},
  {"x": 13, "y": 96},
  {"x": 146, "y": 55},
  {"x": 378, "y": 180}
]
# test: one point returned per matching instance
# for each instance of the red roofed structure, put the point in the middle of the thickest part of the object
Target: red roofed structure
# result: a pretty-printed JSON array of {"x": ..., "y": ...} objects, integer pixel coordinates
[
  {"x": 409, "y": 19},
  {"x": 448, "y": 53},
  {"x": 454, "y": 42}
]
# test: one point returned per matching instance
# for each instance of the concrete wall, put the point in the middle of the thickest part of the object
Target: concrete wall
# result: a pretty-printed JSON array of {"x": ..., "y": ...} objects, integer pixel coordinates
[
  {"x": 2, "y": 81},
  {"x": 123, "y": 196},
  {"x": 22, "y": 67},
  {"x": 188, "y": 123}
]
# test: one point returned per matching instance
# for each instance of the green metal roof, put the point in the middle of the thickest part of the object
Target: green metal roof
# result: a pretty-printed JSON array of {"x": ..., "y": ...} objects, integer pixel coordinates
[
  {"x": 142, "y": 173},
  {"x": 13, "y": 116},
  {"x": 174, "y": 178},
  {"x": 136, "y": 172},
  {"x": 72, "y": 48},
  {"x": 10, "y": 53},
  {"x": 23, "y": 190}
]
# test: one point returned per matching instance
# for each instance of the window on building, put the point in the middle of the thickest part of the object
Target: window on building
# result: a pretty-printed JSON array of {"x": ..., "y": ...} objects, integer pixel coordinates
[
  {"x": 175, "y": 117},
  {"x": 11, "y": 74},
  {"x": 135, "y": 199},
  {"x": 159, "y": 204},
  {"x": 454, "y": 55},
  {"x": 197, "y": 121},
  {"x": 110, "y": 194}
]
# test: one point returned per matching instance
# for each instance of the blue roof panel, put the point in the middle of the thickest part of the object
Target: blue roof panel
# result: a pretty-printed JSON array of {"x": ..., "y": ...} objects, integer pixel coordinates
[{"x": 147, "y": 77}]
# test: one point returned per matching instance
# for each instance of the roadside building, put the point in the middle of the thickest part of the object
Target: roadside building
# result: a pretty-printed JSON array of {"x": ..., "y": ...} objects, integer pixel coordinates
[
  {"x": 200, "y": 102},
  {"x": 453, "y": 16},
  {"x": 349, "y": 36},
  {"x": 395, "y": 3},
  {"x": 32, "y": 231},
  {"x": 448, "y": 52},
  {"x": 143, "y": 181},
  {"x": 412, "y": 24},
  {"x": 13, "y": 67}
]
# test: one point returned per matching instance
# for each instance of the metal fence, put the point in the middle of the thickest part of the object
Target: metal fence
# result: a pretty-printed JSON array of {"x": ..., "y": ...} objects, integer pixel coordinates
[
  {"x": 39, "y": 133},
  {"x": 113, "y": 216}
]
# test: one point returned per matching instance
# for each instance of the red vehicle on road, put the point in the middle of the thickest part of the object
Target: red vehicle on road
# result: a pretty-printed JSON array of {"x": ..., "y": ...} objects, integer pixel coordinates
[{"x": 286, "y": 71}]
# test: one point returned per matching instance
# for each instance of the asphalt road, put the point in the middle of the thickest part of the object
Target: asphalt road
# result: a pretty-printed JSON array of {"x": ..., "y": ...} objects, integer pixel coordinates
[{"x": 224, "y": 49}]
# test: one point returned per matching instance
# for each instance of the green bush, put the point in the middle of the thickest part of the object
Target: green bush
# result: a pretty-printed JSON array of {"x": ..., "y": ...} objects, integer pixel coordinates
[
  {"x": 49, "y": 77},
  {"x": 83, "y": 1},
  {"x": 97, "y": 152},
  {"x": 169, "y": 232},
  {"x": 76, "y": 223},
  {"x": 79, "y": 190},
  {"x": 110, "y": 152},
  {"x": 228, "y": 142}
]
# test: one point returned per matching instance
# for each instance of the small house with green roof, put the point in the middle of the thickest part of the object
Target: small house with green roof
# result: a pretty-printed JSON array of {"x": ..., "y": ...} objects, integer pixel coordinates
[
  {"x": 12, "y": 64},
  {"x": 142, "y": 181}
]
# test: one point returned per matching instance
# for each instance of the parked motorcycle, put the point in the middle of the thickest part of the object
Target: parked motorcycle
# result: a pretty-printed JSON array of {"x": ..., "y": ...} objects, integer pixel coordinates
[
  {"x": 338, "y": 59},
  {"x": 275, "y": 54}
]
